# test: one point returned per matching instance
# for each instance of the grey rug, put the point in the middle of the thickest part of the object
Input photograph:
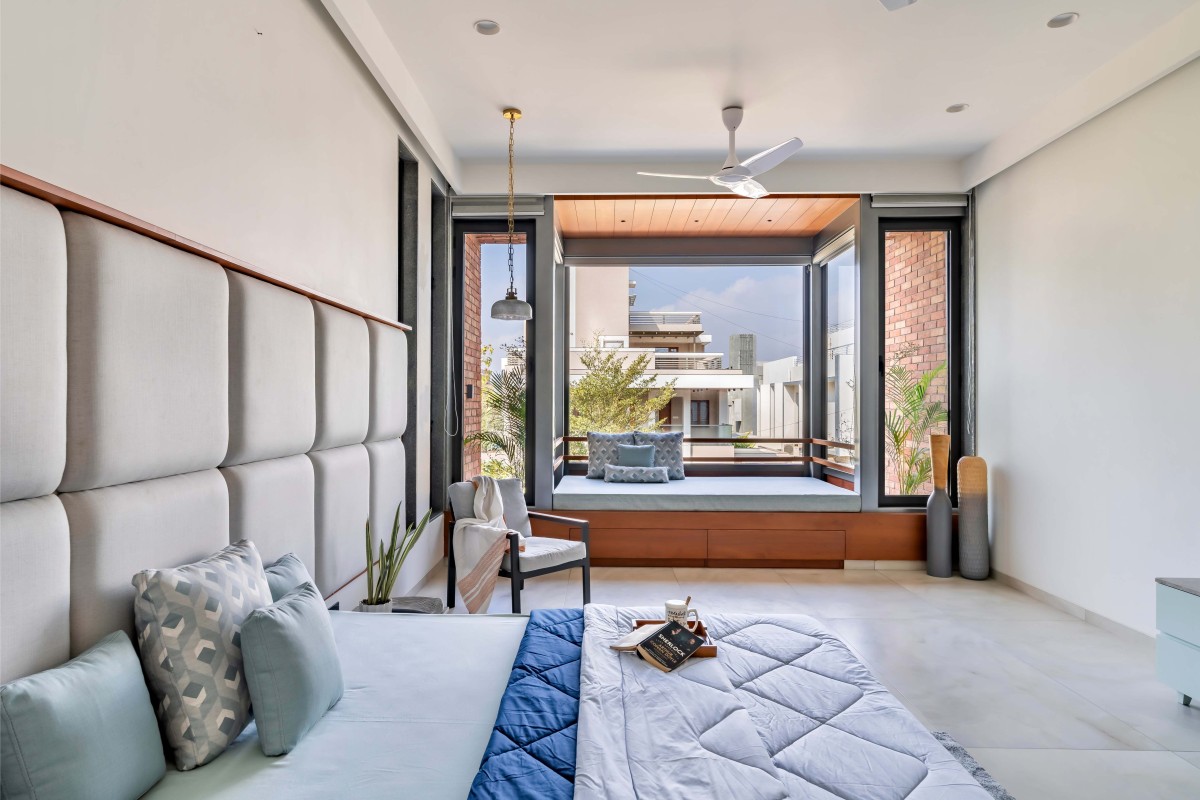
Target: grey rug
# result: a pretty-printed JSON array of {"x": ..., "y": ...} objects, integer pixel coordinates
[{"x": 972, "y": 766}]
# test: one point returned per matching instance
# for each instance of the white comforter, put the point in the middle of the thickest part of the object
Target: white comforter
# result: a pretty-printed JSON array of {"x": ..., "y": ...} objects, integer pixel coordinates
[{"x": 785, "y": 711}]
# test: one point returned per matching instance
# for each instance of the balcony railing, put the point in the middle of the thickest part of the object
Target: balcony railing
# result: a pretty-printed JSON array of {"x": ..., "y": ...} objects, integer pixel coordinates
[
  {"x": 659, "y": 362},
  {"x": 664, "y": 318}
]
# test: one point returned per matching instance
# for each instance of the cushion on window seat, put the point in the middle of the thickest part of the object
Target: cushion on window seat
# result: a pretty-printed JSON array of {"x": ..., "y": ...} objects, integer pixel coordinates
[{"x": 541, "y": 552}]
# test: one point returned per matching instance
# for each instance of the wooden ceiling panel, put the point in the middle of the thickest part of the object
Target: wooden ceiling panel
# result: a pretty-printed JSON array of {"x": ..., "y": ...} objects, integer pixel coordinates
[{"x": 607, "y": 216}]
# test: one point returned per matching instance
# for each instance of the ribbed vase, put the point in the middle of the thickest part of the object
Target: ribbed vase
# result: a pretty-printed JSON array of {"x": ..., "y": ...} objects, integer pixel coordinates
[
  {"x": 939, "y": 514},
  {"x": 973, "y": 552}
]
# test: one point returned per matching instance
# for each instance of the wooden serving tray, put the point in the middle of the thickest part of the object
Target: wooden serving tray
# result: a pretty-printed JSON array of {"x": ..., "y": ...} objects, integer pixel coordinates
[{"x": 705, "y": 651}]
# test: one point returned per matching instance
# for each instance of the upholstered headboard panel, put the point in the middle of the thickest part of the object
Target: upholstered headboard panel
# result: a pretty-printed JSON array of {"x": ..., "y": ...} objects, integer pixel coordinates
[{"x": 155, "y": 407}]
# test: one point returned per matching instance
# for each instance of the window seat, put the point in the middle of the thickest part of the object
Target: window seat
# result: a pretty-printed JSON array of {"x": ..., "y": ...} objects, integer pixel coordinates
[{"x": 743, "y": 493}]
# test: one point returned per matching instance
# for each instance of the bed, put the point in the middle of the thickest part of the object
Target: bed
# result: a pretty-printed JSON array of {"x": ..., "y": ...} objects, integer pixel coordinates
[{"x": 705, "y": 493}]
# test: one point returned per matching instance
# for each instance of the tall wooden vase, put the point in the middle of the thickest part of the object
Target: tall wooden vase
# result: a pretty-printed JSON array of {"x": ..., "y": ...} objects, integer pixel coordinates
[
  {"x": 973, "y": 552},
  {"x": 939, "y": 516}
]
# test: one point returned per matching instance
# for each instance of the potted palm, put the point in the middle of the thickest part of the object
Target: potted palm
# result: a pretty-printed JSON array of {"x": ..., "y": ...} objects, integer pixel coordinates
[{"x": 382, "y": 579}]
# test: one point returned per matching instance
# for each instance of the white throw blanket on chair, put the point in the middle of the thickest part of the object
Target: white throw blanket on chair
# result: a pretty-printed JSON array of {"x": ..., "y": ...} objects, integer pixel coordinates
[{"x": 480, "y": 543}]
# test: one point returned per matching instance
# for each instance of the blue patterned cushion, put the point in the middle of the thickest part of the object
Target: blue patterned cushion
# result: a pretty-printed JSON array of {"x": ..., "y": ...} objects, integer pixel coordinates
[
  {"x": 614, "y": 473},
  {"x": 189, "y": 623},
  {"x": 602, "y": 450},
  {"x": 635, "y": 455},
  {"x": 668, "y": 451}
]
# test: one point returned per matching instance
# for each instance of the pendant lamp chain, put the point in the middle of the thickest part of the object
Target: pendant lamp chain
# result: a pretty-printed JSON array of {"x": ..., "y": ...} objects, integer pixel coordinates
[{"x": 512, "y": 225}]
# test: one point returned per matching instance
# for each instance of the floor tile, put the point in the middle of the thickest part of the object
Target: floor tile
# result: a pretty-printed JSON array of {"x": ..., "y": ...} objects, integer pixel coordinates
[
  {"x": 974, "y": 599},
  {"x": 633, "y": 586},
  {"x": 1091, "y": 774},
  {"x": 833, "y": 594},
  {"x": 959, "y": 681},
  {"x": 1192, "y": 758},
  {"x": 740, "y": 590}
]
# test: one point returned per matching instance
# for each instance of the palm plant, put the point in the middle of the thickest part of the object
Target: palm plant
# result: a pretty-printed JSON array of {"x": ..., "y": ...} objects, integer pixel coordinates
[
  {"x": 379, "y": 586},
  {"x": 504, "y": 397},
  {"x": 910, "y": 416}
]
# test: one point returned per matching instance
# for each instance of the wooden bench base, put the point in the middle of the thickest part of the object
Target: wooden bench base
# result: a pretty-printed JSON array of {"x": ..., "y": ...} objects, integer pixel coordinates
[{"x": 737, "y": 539}]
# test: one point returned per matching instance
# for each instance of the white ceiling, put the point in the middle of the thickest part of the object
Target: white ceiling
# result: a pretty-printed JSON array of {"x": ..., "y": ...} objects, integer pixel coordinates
[{"x": 625, "y": 81}]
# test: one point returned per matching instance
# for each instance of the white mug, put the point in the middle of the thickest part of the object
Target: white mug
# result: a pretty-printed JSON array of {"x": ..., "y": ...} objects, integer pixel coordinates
[{"x": 678, "y": 611}]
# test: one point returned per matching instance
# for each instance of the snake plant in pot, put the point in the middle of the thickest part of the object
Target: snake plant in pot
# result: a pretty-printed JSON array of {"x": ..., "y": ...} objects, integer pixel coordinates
[{"x": 381, "y": 578}]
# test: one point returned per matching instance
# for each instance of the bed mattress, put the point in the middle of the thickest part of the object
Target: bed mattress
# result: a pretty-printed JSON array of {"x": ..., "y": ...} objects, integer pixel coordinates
[
  {"x": 703, "y": 493},
  {"x": 421, "y": 698}
]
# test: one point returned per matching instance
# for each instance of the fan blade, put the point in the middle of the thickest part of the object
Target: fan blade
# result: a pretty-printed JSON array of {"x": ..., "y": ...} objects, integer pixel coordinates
[
  {"x": 749, "y": 188},
  {"x": 669, "y": 175},
  {"x": 769, "y": 159}
]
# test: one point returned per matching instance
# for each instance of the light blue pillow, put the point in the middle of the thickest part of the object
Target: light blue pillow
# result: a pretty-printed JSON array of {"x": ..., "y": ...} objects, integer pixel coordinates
[
  {"x": 635, "y": 455},
  {"x": 286, "y": 574},
  {"x": 292, "y": 667},
  {"x": 85, "y": 729}
]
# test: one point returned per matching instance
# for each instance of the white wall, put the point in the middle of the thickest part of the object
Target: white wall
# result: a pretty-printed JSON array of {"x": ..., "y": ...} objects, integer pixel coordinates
[
  {"x": 1089, "y": 355},
  {"x": 251, "y": 127}
]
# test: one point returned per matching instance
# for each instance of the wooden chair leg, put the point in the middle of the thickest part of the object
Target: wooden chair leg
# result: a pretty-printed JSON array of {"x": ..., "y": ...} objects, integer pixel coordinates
[{"x": 587, "y": 582}]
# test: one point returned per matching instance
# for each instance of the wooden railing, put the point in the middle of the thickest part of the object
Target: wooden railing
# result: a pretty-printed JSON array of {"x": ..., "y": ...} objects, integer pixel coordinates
[{"x": 563, "y": 443}]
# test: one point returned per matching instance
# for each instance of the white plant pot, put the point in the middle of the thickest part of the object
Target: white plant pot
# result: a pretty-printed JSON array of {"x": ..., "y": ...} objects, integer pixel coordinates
[{"x": 382, "y": 608}]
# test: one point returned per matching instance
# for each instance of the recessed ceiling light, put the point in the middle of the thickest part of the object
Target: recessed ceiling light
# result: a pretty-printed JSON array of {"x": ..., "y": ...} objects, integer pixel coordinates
[
  {"x": 1063, "y": 20},
  {"x": 957, "y": 107},
  {"x": 487, "y": 27}
]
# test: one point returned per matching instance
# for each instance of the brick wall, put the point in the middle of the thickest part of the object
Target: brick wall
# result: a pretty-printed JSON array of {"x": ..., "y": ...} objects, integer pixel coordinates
[
  {"x": 915, "y": 313},
  {"x": 473, "y": 344}
]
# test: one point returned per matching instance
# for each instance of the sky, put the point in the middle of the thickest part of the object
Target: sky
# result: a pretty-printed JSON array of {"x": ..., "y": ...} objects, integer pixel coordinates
[{"x": 494, "y": 273}]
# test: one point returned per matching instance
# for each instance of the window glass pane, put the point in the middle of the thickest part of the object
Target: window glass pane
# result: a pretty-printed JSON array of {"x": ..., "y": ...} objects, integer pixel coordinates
[
  {"x": 494, "y": 367},
  {"x": 715, "y": 352},
  {"x": 915, "y": 353},
  {"x": 841, "y": 280}
]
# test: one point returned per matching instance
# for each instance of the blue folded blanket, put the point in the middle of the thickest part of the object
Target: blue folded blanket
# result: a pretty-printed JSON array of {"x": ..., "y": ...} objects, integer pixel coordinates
[{"x": 532, "y": 750}]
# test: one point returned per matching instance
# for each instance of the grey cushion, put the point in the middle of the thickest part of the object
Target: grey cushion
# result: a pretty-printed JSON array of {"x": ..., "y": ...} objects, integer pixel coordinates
[
  {"x": 292, "y": 667},
  {"x": 189, "y": 622},
  {"x": 33, "y": 346},
  {"x": 286, "y": 574},
  {"x": 272, "y": 371},
  {"x": 541, "y": 552},
  {"x": 343, "y": 377},
  {"x": 635, "y": 455},
  {"x": 343, "y": 481},
  {"x": 35, "y": 586},
  {"x": 121, "y": 529},
  {"x": 615, "y": 473},
  {"x": 273, "y": 504},
  {"x": 602, "y": 450},
  {"x": 147, "y": 358},
  {"x": 389, "y": 382},
  {"x": 668, "y": 451},
  {"x": 516, "y": 512},
  {"x": 85, "y": 729}
]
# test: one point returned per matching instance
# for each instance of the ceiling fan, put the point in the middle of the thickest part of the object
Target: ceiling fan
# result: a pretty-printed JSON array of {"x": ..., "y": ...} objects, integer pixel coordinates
[{"x": 738, "y": 177}]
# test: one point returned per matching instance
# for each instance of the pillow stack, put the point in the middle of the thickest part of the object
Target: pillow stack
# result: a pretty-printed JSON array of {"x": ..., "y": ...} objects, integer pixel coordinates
[{"x": 635, "y": 457}]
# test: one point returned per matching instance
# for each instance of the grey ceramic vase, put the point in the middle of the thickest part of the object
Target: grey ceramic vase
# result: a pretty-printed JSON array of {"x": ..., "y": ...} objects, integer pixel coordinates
[
  {"x": 939, "y": 514},
  {"x": 973, "y": 551}
]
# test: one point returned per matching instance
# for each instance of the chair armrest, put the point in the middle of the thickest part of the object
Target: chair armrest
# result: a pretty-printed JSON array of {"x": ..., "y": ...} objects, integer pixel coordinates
[{"x": 570, "y": 522}]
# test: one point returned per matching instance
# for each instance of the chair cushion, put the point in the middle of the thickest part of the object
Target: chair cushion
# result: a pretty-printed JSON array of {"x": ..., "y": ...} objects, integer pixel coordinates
[
  {"x": 541, "y": 552},
  {"x": 292, "y": 667},
  {"x": 189, "y": 622},
  {"x": 668, "y": 451},
  {"x": 602, "y": 450},
  {"x": 285, "y": 575},
  {"x": 635, "y": 455},
  {"x": 516, "y": 512},
  {"x": 614, "y": 473},
  {"x": 84, "y": 729}
]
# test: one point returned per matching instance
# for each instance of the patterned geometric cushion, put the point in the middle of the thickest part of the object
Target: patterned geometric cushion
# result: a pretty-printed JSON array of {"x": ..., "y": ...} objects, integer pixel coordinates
[
  {"x": 635, "y": 455},
  {"x": 602, "y": 450},
  {"x": 614, "y": 473},
  {"x": 668, "y": 451},
  {"x": 189, "y": 622}
]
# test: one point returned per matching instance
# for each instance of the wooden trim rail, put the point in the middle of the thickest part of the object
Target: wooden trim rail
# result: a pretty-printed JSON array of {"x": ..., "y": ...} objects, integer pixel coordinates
[
  {"x": 746, "y": 459},
  {"x": 63, "y": 198}
]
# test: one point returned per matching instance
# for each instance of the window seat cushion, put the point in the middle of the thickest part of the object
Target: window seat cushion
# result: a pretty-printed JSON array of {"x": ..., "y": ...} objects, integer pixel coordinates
[{"x": 742, "y": 493}]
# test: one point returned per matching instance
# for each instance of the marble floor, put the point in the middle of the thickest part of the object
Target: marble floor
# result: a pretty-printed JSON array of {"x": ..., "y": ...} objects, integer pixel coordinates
[{"x": 1053, "y": 707}]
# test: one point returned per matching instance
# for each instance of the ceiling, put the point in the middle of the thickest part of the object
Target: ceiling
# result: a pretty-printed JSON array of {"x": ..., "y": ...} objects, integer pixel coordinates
[
  {"x": 645, "y": 81},
  {"x": 606, "y": 217}
]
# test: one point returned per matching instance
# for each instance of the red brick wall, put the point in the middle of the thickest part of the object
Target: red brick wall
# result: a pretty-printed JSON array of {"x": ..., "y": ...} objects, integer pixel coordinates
[
  {"x": 472, "y": 344},
  {"x": 915, "y": 312}
]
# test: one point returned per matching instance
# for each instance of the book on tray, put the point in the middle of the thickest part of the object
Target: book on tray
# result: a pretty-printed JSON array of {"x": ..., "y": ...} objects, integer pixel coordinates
[{"x": 668, "y": 646}]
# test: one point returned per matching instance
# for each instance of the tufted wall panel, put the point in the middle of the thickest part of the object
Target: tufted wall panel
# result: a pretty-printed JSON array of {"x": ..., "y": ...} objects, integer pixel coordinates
[
  {"x": 33, "y": 346},
  {"x": 273, "y": 503},
  {"x": 120, "y": 530},
  {"x": 343, "y": 492},
  {"x": 272, "y": 371},
  {"x": 389, "y": 382},
  {"x": 35, "y": 586},
  {"x": 387, "y": 484},
  {"x": 343, "y": 377},
  {"x": 147, "y": 358}
]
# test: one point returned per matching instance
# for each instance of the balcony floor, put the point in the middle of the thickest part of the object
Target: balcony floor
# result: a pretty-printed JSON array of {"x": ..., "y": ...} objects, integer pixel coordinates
[{"x": 578, "y": 493}]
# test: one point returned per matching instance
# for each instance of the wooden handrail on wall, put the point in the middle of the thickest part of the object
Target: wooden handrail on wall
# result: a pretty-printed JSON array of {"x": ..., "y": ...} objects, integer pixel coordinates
[{"x": 62, "y": 198}]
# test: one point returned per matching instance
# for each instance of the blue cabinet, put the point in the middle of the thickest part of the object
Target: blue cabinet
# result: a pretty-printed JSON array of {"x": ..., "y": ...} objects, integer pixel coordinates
[{"x": 1178, "y": 644}]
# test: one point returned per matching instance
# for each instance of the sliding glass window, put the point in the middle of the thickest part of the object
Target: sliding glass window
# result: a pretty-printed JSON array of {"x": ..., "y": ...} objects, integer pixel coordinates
[{"x": 841, "y": 402}]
